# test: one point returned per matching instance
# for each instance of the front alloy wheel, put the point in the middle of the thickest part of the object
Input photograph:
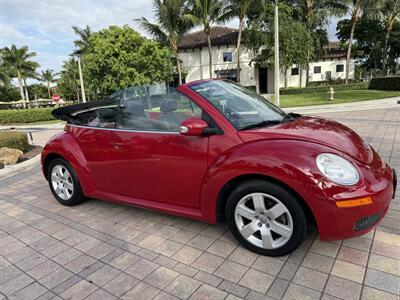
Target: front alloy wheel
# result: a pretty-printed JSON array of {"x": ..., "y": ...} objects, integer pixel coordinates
[
  {"x": 264, "y": 221},
  {"x": 266, "y": 218}
]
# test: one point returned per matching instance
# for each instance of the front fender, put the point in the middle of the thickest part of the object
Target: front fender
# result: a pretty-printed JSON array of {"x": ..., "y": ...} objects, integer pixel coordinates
[
  {"x": 291, "y": 162},
  {"x": 65, "y": 145}
]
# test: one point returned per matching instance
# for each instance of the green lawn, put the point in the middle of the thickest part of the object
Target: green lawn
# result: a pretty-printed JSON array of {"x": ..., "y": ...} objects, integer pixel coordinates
[{"x": 340, "y": 97}]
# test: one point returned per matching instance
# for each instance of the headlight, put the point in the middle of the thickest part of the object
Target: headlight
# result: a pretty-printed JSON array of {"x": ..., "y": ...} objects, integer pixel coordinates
[{"x": 337, "y": 169}]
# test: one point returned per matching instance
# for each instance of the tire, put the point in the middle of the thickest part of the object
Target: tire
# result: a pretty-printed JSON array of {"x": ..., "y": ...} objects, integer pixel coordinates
[
  {"x": 72, "y": 193},
  {"x": 262, "y": 230}
]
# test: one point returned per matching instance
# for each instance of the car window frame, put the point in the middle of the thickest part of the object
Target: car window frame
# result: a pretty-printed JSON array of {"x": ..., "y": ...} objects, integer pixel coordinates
[
  {"x": 213, "y": 124},
  {"x": 216, "y": 108}
]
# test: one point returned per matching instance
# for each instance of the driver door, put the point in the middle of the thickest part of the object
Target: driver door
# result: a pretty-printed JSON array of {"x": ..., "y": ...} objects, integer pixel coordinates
[{"x": 150, "y": 159}]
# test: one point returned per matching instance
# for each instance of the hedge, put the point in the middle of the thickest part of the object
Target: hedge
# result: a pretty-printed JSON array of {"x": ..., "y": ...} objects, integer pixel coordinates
[
  {"x": 14, "y": 140},
  {"x": 385, "y": 83},
  {"x": 14, "y": 116},
  {"x": 319, "y": 89}
]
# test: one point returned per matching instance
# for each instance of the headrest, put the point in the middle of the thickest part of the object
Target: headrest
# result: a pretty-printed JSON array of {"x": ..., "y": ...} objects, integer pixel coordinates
[
  {"x": 106, "y": 113},
  {"x": 168, "y": 106},
  {"x": 134, "y": 108}
]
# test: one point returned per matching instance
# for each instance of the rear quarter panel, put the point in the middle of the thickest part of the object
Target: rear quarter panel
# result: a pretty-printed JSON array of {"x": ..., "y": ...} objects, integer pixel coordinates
[{"x": 66, "y": 146}]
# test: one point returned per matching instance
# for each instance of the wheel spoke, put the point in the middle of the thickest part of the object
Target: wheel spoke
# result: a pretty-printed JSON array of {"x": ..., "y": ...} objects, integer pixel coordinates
[
  {"x": 266, "y": 238},
  {"x": 69, "y": 186},
  {"x": 249, "y": 229},
  {"x": 258, "y": 201},
  {"x": 55, "y": 178},
  {"x": 245, "y": 212},
  {"x": 275, "y": 212},
  {"x": 281, "y": 229},
  {"x": 66, "y": 174},
  {"x": 58, "y": 172},
  {"x": 64, "y": 190},
  {"x": 58, "y": 189}
]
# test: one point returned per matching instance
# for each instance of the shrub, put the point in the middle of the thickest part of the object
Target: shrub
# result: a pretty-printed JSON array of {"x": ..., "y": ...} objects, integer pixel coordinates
[
  {"x": 385, "y": 83},
  {"x": 333, "y": 82},
  {"x": 251, "y": 88},
  {"x": 14, "y": 116},
  {"x": 14, "y": 140},
  {"x": 319, "y": 89}
]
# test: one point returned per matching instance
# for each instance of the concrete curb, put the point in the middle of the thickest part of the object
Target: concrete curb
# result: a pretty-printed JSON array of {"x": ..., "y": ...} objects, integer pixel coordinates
[
  {"x": 12, "y": 170},
  {"x": 28, "y": 126},
  {"x": 348, "y": 106}
]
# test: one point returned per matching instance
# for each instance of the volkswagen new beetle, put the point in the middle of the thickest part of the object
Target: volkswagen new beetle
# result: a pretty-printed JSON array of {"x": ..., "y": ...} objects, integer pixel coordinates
[{"x": 214, "y": 151}]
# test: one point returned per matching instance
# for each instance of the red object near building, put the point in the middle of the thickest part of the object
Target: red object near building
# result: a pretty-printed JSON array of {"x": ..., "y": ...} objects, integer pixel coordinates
[
  {"x": 55, "y": 98},
  {"x": 214, "y": 151}
]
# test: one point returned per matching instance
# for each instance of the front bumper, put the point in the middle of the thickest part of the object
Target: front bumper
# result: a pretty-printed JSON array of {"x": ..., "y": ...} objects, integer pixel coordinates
[{"x": 341, "y": 223}]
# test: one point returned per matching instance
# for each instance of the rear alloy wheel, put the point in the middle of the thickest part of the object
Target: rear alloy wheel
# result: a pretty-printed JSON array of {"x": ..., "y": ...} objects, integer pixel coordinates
[
  {"x": 266, "y": 218},
  {"x": 64, "y": 183}
]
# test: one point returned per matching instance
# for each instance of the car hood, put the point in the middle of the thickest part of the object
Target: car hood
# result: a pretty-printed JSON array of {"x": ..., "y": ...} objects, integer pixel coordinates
[{"x": 316, "y": 130}]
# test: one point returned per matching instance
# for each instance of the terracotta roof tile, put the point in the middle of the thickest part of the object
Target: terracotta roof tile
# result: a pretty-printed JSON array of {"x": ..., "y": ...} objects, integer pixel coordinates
[{"x": 219, "y": 36}]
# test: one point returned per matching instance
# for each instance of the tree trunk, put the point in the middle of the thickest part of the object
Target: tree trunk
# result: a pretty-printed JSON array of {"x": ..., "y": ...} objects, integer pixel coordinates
[
  {"x": 207, "y": 30},
  {"x": 389, "y": 27},
  {"x": 77, "y": 94},
  {"x": 48, "y": 90},
  {"x": 178, "y": 65},
  {"x": 26, "y": 91},
  {"x": 354, "y": 20},
  {"x": 310, "y": 15},
  {"x": 286, "y": 78},
  {"x": 238, "y": 48},
  {"x": 21, "y": 89}
]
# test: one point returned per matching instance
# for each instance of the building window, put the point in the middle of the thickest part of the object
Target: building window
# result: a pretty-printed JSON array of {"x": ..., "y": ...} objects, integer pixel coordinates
[
  {"x": 227, "y": 56},
  {"x": 317, "y": 70},
  {"x": 339, "y": 68},
  {"x": 295, "y": 71}
]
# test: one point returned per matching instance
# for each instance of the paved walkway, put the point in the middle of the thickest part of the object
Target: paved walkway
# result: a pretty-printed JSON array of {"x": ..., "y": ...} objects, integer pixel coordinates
[{"x": 100, "y": 250}]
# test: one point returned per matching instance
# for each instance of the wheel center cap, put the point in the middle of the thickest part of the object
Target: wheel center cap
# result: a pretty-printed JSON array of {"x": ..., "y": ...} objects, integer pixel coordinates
[{"x": 264, "y": 219}]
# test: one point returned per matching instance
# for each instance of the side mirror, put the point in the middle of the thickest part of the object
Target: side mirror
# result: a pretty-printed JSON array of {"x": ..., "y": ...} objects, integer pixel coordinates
[{"x": 193, "y": 127}]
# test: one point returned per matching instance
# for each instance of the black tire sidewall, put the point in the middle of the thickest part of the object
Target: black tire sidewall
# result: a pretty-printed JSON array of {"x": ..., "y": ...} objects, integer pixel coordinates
[
  {"x": 77, "y": 195},
  {"x": 289, "y": 200}
]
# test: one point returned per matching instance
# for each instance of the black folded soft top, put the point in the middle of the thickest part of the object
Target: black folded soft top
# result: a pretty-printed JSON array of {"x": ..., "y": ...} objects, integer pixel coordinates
[{"x": 68, "y": 113}]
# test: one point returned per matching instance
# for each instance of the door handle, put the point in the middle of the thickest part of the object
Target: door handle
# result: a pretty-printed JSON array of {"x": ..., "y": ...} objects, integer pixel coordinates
[{"x": 117, "y": 145}]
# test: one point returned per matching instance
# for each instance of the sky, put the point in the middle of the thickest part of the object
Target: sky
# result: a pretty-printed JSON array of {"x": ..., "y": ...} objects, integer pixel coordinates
[{"x": 45, "y": 25}]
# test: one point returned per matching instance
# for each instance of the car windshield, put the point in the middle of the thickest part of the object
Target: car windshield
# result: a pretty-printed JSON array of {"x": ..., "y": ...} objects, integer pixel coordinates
[{"x": 243, "y": 108}]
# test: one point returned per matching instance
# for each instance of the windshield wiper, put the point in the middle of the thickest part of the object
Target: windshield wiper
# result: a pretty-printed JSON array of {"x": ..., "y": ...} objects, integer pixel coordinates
[
  {"x": 260, "y": 124},
  {"x": 288, "y": 117},
  {"x": 291, "y": 116}
]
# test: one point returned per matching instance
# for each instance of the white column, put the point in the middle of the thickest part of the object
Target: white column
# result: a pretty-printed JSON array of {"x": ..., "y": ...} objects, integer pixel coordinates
[
  {"x": 81, "y": 80},
  {"x": 277, "y": 71}
]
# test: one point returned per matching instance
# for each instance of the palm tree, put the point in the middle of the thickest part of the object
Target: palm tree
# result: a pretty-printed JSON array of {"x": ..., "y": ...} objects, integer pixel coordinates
[
  {"x": 48, "y": 77},
  {"x": 170, "y": 26},
  {"x": 240, "y": 9},
  {"x": 4, "y": 76},
  {"x": 387, "y": 11},
  {"x": 82, "y": 43},
  {"x": 315, "y": 15},
  {"x": 29, "y": 71},
  {"x": 70, "y": 75},
  {"x": 205, "y": 13},
  {"x": 355, "y": 8},
  {"x": 355, "y": 11},
  {"x": 18, "y": 59}
]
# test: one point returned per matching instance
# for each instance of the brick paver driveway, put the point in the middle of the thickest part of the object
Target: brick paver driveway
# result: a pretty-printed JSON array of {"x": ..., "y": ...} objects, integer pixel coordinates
[{"x": 100, "y": 250}]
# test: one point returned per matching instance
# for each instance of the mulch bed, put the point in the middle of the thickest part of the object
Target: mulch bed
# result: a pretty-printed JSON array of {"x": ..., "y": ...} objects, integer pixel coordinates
[{"x": 32, "y": 152}]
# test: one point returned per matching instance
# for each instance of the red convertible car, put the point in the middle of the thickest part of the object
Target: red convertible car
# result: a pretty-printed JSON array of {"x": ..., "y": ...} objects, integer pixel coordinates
[{"x": 215, "y": 151}]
